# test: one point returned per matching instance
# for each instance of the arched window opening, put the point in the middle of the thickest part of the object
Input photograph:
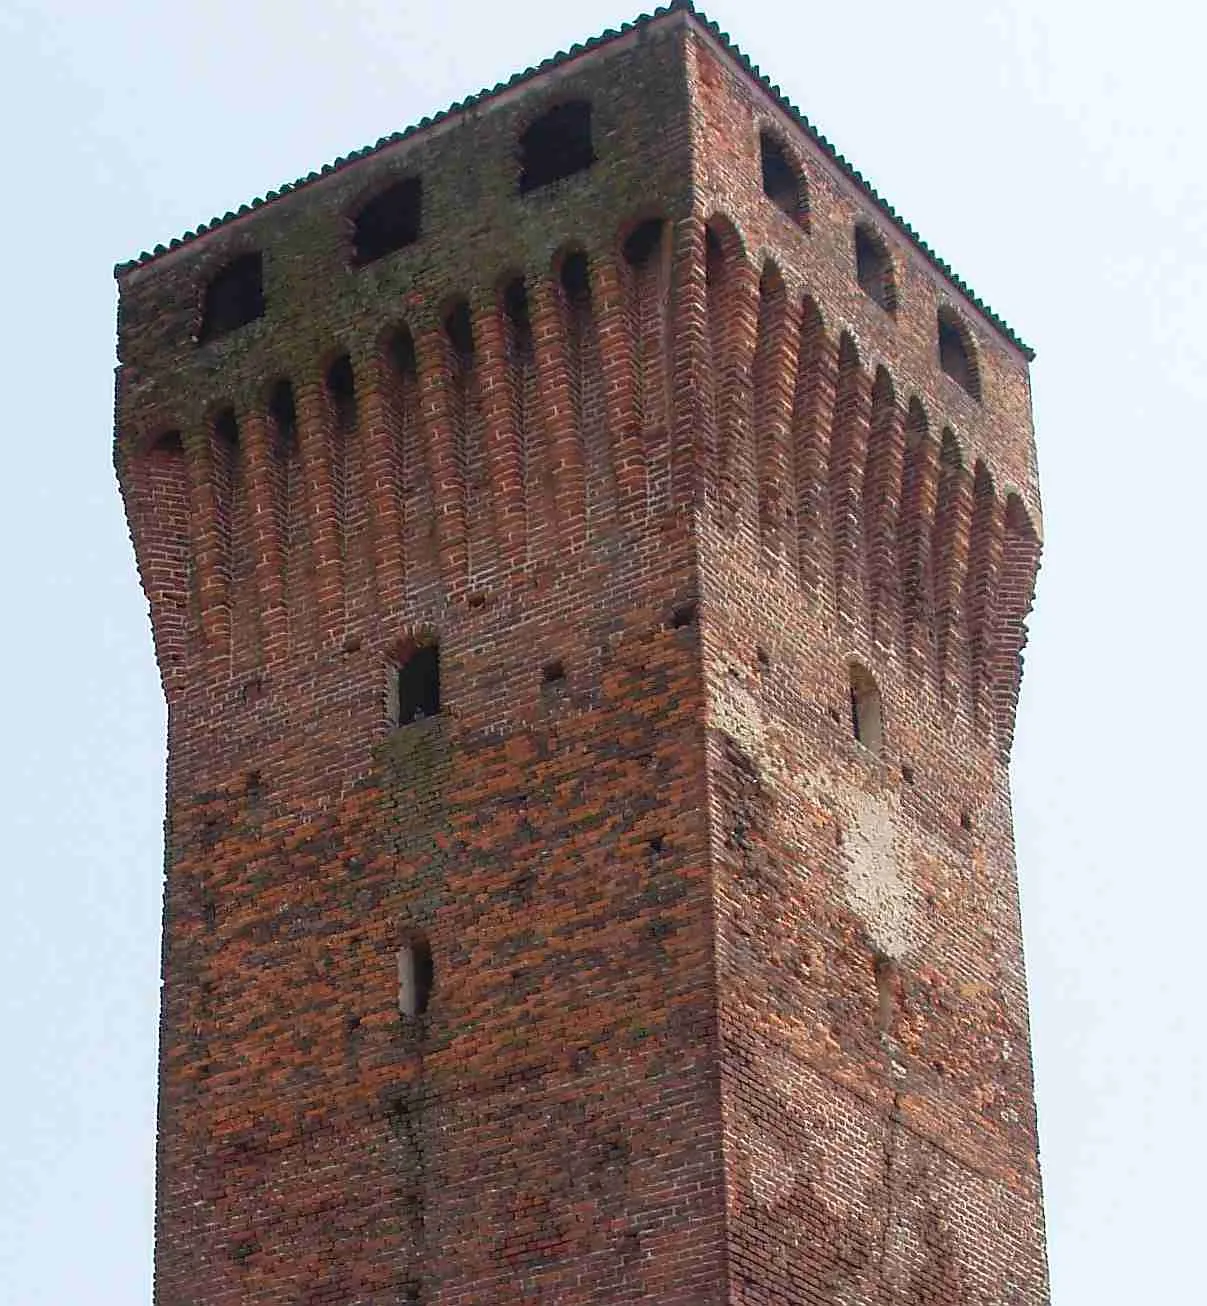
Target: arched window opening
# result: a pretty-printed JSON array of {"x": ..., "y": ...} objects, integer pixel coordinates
[
  {"x": 283, "y": 414},
  {"x": 714, "y": 257},
  {"x": 867, "y": 715},
  {"x": 416, "y": 976},
  {"x": 169, "y": 445},
  {"x": 576, "y": 277},
  {"x": 226, "y": 431},
  {"x": 414, "y": 685},
  {"x": 401, "y": 352},
  {"x": 388, "y": 222},
  {"x": 874, "y": 268},
  {"x": 643, "y": 242},
  {"x": 556, "y": 145},
  {"x": 282, "y": 410},
  {"x": 783, "y": 183},
  {"x": 519, "y": 318},
  {"x": 955, "y": 353},
  {"x": 233, "y": 297},
  {"x": 341, "y": 386},
  {"x": 460, "y": 331}
]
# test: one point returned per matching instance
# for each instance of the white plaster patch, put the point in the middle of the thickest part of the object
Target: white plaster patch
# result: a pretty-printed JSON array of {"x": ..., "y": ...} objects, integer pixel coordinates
[
  {"x": 735, "y": 710},
  {"x": 875, "y": 883}
]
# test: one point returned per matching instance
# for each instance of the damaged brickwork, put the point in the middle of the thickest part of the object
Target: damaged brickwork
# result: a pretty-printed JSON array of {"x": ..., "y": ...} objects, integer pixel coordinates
[{"x": 588, "y": 581}]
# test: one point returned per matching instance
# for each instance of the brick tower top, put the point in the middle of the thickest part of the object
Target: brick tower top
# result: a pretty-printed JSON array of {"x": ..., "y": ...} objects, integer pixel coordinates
[
  {"x": 663, "y": 121},
  {"x": 588, "y": 540}
]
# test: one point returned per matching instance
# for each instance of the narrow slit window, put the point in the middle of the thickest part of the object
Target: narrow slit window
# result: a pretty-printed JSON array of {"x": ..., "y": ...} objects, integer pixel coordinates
[
  {"x": 558, "y": 144},
  {"x": 519, "y": 318},
  {"x": 233, "y": 297},
  {"x": 458, "y": 326},
  {"x": 283, "y": 414},
  {"x": 388, "y": 222},
  {"x": 341, "y": 386},
  {"x": 401, "y": 351},
  {"x": 416, "y": 977},
  {"x": 576, "y": 277},
  {"x": 867, "y": 715},
  {"x": 783, "y": 183},
  {"x": 415, "y": 686}
]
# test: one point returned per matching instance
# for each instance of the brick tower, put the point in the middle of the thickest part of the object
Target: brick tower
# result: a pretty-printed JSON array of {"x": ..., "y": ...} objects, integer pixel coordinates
[{"x": 588, "y": 538}]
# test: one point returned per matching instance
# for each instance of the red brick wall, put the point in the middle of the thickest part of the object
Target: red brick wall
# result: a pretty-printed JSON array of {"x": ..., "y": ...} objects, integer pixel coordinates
[
  {"x": 725, "y": 1008},
  {"x": 878, "y": 1113}
]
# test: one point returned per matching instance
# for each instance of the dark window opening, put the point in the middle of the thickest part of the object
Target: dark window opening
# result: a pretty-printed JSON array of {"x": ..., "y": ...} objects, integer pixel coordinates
[
  {"x": 576, "y": 277},
  {"x": 401, "y": 352},
  {"x": 714, "y": 257},
  {"x": 460, "y": 331},
  {"x": 643, "y": 242},
  {"x": 867, "y": 717},
  {"x": 388, "y": 222},
  {"x": 782, "y": 183},
  {"x": 415, "y": 687},
  {"x": 683, "y": 615},
  {"x": 557, "y": 145},
  {"x": 283, "y": 414},
  {"x": 554, "y": 671},
  {"x": 955, "y": 353},
  {"x": 233, "y": 298},
  {"x": 519, "y": 318},
  {"x": 416, "y": 977},
  {"x": 226, "y": 429},
  {"x": 874, "y": 269},
  {"x": 169, "y": 443},
  {"x": 341, "y": 386}
]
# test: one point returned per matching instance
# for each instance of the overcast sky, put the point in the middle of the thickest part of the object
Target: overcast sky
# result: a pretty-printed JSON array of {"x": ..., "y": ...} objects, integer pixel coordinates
[{"x": 1051, "y": 151}]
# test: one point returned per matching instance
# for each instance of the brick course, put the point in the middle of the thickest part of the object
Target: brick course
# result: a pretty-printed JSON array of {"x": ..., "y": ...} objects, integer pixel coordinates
[{"x": 728, "y": 1007}]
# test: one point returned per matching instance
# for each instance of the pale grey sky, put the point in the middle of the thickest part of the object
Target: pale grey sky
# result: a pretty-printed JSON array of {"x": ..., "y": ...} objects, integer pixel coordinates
[{"x": 1051, "y": 150}]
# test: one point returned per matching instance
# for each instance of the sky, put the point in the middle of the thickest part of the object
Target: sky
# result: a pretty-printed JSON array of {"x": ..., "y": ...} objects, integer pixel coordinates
[{"x": 1050, "y": 150}]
